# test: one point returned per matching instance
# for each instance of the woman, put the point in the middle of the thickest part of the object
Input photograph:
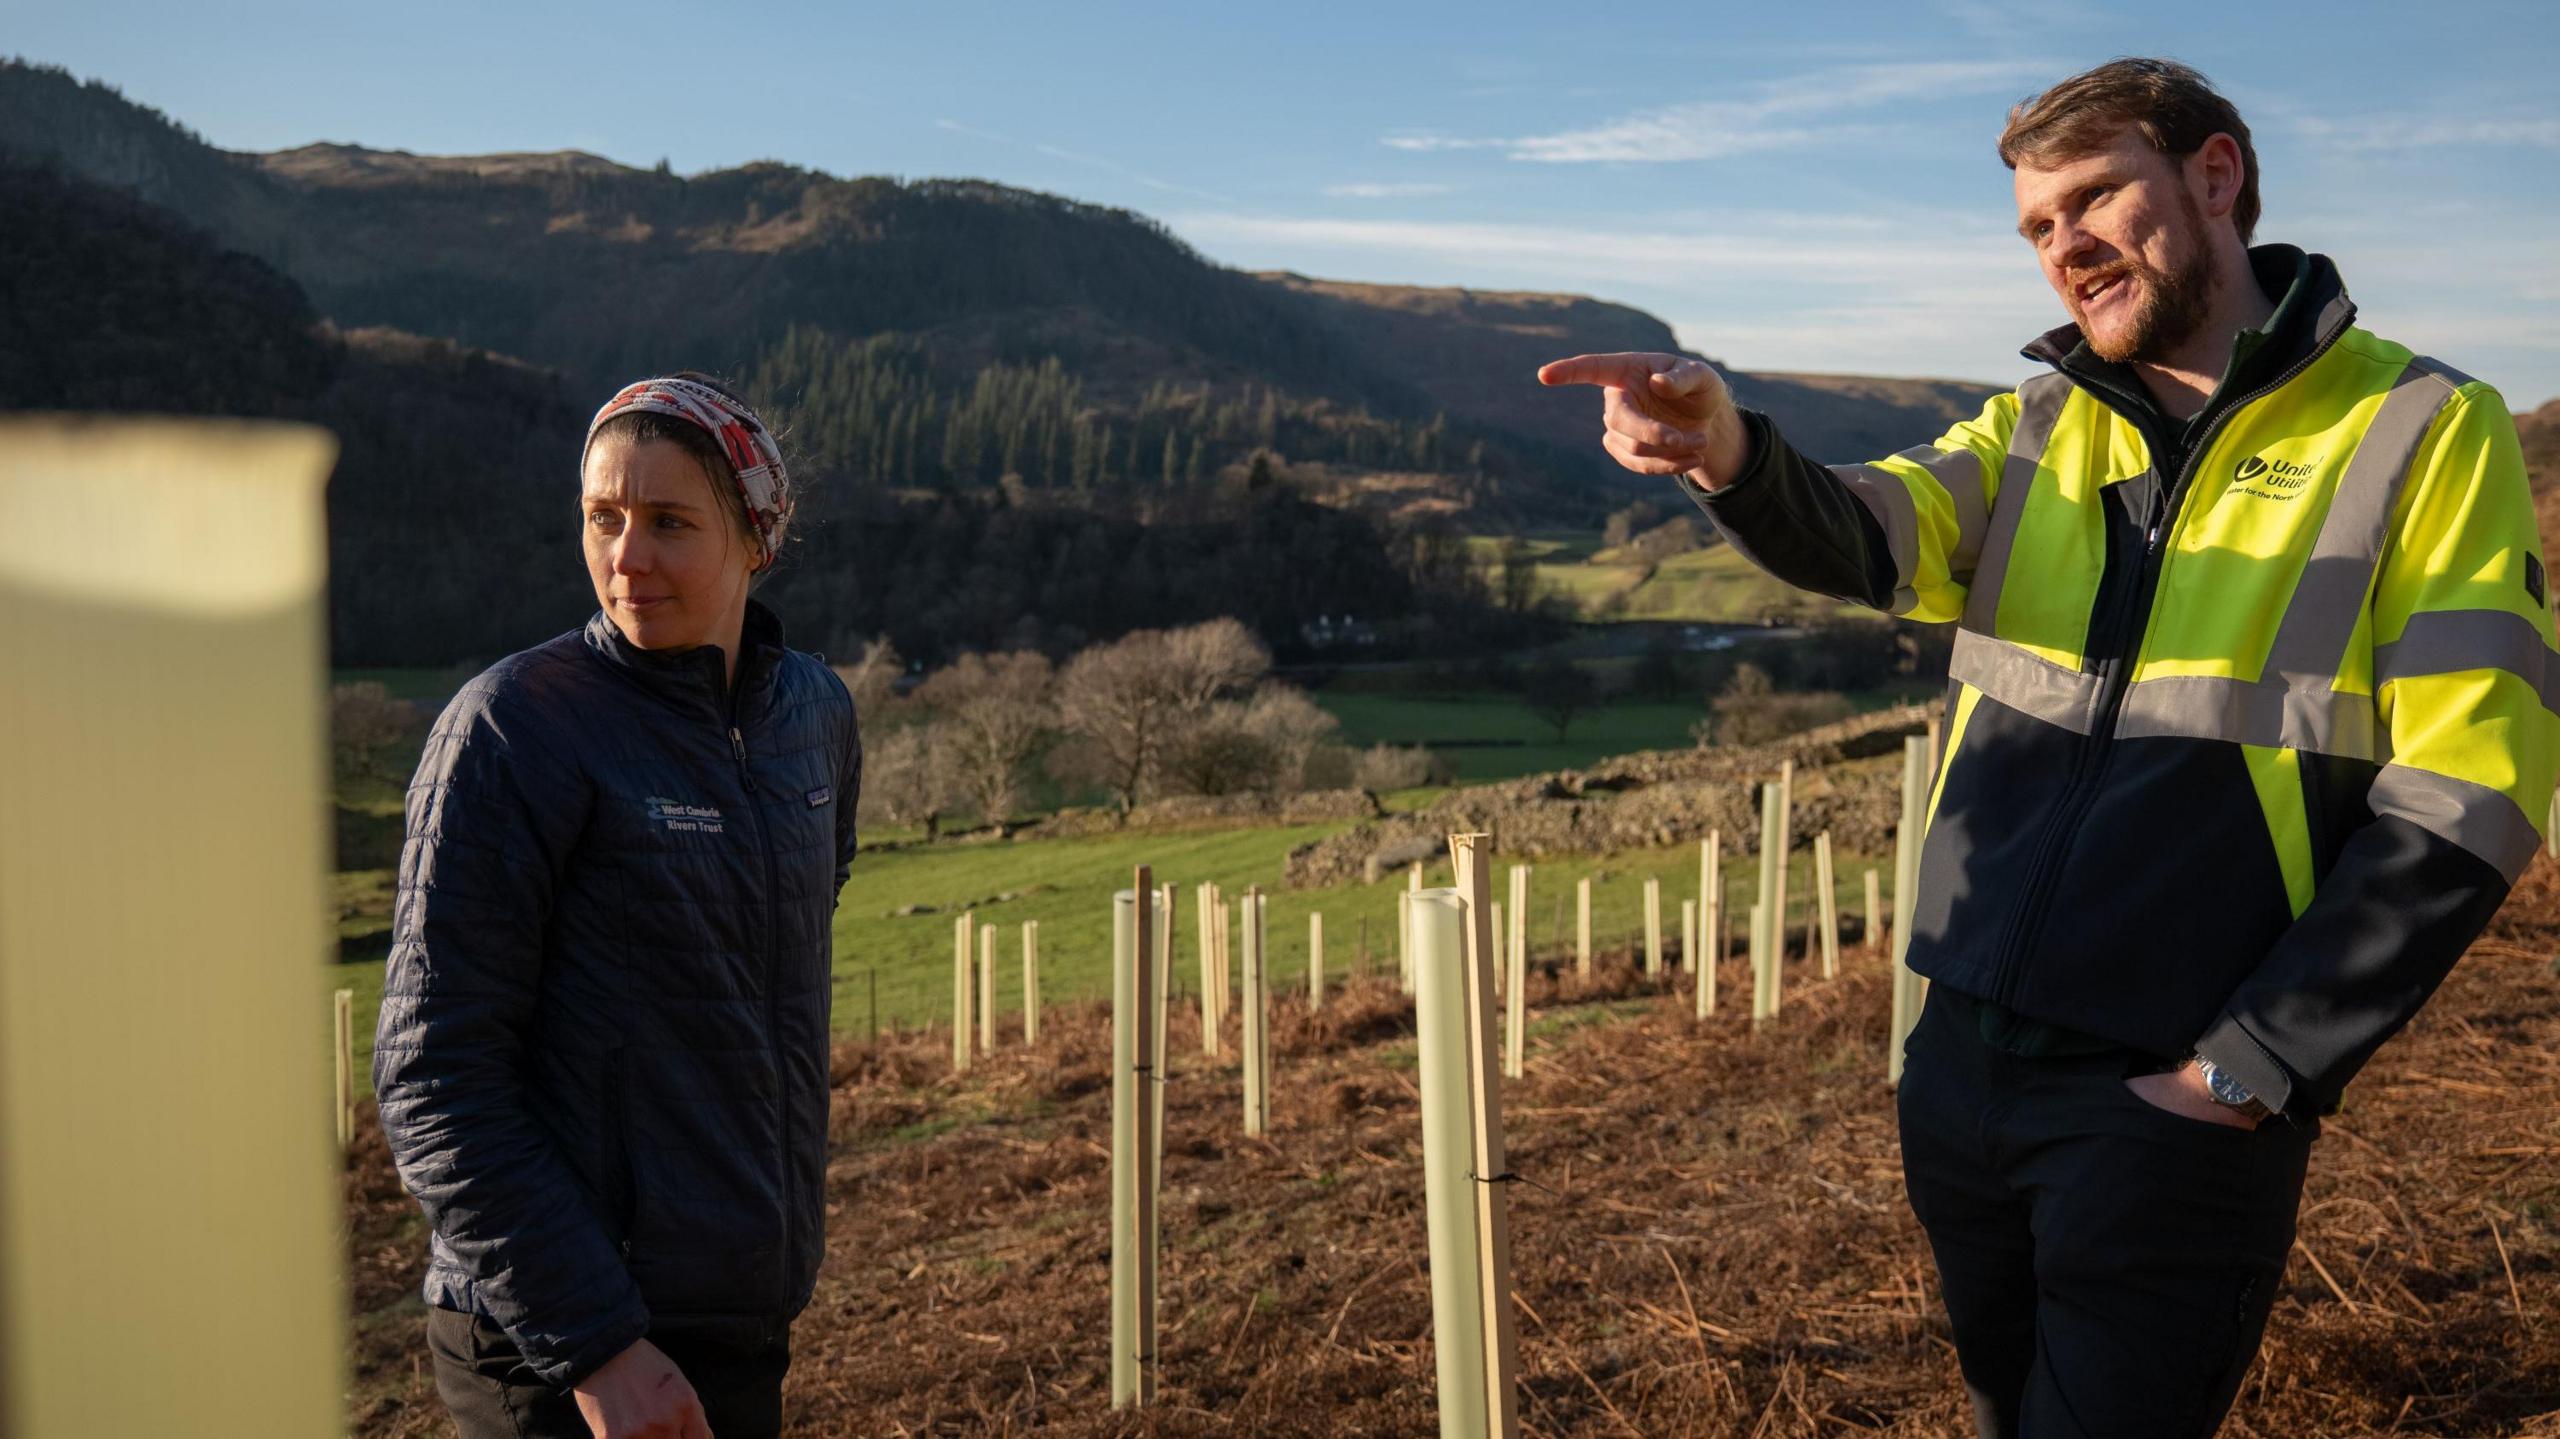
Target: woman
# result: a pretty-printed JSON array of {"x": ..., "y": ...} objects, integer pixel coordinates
[{"x": 602, "y": 1056}]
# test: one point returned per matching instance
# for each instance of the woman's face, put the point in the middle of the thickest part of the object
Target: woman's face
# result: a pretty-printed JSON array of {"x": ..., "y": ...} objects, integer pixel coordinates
[{"x": 663, "y": 549}]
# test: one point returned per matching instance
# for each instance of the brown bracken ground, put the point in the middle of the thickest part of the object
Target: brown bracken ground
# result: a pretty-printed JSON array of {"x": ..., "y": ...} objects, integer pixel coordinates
[{"x": 1709, "y": 1239}]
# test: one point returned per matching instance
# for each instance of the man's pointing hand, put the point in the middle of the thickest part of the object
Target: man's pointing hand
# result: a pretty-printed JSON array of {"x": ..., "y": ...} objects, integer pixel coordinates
[{"x": 1665, "y": 414}]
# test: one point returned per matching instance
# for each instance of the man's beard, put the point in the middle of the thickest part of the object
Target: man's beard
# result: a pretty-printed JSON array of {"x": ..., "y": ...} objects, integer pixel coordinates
[{"x": 2174, "y": 305}]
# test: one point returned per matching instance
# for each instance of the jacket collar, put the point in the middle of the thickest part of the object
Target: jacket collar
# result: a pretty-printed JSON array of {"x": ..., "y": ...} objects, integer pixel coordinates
[
  {"x": 692, "y": 679},
  {"x": 2312, "y": 311}
]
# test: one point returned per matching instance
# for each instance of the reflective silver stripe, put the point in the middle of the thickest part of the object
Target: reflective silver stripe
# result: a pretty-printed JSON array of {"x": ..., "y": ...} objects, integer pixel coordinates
[
  {"x": 2024, "y": 681},
  {"x": 1889, "y": 500},
  {"x": 2311, "y": 641},
  {"x": 2443, "y": 642},
  {"x": 2210, "y": 707},
  {"x": 2473, "y": 816},
  {"x": 1959, "y": 473},
  {"x": 2040, "y": 403}
]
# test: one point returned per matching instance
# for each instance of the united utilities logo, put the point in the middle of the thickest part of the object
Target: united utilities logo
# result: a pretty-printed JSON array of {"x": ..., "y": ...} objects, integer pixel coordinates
[
  {"x": 682, "y": 818},
  {"x": 2274, "y": 479}
]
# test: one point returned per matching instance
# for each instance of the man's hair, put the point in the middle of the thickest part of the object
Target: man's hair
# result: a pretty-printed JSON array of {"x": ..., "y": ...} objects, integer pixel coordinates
[{"x": 2173, "y": 106}]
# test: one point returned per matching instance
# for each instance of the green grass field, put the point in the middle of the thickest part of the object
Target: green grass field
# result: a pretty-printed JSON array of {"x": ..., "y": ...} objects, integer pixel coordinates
[
  {"x": 1522, "y": 743},
  {"x": 1066, "y": 885}
]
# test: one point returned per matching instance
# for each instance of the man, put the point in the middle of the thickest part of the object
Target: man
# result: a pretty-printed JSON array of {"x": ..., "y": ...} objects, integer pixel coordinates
[{"x": 2247, "y": 735}]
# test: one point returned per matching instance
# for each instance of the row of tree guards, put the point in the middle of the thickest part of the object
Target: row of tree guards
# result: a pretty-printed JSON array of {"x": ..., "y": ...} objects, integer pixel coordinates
[{"x": 1463, "y": 958}]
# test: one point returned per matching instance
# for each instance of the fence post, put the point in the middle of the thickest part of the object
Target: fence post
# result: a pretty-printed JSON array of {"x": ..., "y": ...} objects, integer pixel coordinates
[
  {"x": 965, "y": 927},
  {"x": 1133, "y": 1171},
  {"x": 1908, "y": 988}
]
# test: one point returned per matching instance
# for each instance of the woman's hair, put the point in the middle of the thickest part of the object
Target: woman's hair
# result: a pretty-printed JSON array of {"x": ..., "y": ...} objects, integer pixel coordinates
[{"x": 639, "y": 427}]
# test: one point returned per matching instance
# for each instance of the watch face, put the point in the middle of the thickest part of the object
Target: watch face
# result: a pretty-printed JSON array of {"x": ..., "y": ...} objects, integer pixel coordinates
[{"x": 2226, "y": 1089}]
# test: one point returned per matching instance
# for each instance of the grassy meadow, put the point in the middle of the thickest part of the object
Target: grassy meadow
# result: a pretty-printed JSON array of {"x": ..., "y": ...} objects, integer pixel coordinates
[{"x": 1065, "y": 885}]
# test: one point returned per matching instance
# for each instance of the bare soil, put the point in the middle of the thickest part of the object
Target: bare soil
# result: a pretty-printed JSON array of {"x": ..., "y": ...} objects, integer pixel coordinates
[{"x": 1709, "y": 1235}]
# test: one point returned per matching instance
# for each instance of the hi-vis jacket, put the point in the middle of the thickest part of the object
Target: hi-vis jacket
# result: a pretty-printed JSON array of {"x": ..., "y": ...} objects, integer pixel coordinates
[{"x": 2250, "y": 718}]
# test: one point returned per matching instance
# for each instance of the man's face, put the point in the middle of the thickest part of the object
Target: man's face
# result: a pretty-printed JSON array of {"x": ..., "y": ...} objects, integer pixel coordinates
[{"x": 2123, "y": 242}]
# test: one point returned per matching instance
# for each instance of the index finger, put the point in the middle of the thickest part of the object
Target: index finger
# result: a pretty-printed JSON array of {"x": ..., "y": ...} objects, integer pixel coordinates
[{"x": 1626, "y": 371}]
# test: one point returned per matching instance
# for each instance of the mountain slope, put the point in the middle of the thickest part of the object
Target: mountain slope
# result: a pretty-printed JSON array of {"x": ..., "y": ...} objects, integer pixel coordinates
[{"x": 602, "y": 270}]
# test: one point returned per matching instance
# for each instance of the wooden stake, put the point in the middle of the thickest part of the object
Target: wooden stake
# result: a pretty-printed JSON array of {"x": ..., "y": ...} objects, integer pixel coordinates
[
  {"x": 1705, "y": 979},
  {"x": 1786, "y": 847},
  {"x": 1516, "y": 947},
  {"x": 343, "y": 1004},
  {"x": 1908, "y": 988},
  {"x": 1689, "y": 934},
  {"x": 1826, "y": 905},
  {"x": 1134, "y": 1178},
  {"x": 964, "y": 927},
  {"x": 987, "y": 988},
  {"x": 1652, "y": 928},
  {"x": 1501, "y": 955},
  {"x": 1030, "y": 983},
  {"x": 1208, "y": 972},
  {"x": 1257, "y": 1018},
  {"x": 1315, "y": 960},
  {"x": 1769, "y": 917},
  {"x": 1582, "y": 927},
  {"x": 1875, "y": 912},
  {"x": 1710, "y": 899},
  {"x": 1492, "y": 1166}
]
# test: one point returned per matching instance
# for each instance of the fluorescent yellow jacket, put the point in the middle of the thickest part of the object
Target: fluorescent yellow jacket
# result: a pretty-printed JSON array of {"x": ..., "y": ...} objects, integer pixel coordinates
[{"x": 2251, "y": 719}]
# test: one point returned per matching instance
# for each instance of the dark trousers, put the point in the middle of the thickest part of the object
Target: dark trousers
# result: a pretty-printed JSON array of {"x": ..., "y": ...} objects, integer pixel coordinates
[
  {"x": 737, "y": 1372},
  {"x": 2107, "y": 1265}
]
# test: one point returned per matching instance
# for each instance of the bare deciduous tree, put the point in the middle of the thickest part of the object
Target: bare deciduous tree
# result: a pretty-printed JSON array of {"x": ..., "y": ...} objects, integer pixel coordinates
[
  {"x": 993, "y": 710},
  {"x": 1118, "y": 700},
  {"x": 906, "y": 778},
  {"x": 1291, "y": 727},
  {"x": 367, "y": 727},
  {"x": 1213, "y": 660},
  {"x": 873, "y": 677}
]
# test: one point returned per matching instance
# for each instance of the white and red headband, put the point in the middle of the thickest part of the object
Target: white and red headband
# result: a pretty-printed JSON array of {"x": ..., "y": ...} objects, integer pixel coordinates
[{"x": 753, "y": 456}]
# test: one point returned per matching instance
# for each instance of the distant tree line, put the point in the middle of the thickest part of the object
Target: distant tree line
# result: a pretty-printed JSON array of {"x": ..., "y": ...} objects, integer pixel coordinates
[
  {"x": 873, "y": 410},
  {"x": 452, "y": 527}
]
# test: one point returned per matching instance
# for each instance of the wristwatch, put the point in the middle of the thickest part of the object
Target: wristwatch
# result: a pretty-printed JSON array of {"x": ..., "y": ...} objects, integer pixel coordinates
[{"x": 2229, "y": 1092}]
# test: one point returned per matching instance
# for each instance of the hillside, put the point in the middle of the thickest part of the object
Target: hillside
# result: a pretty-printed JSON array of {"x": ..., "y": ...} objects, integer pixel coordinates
[
  {"x": 1709, "y": 1235},
  {"x": 574, "y": 263}
]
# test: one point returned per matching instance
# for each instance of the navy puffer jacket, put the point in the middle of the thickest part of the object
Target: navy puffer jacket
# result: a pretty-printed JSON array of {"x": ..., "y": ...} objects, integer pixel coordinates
[{"x": 602, "y": 1054}]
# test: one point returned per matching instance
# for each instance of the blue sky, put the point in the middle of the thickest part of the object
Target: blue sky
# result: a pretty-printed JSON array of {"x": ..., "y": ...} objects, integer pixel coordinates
[{"x": 1793, "y": 186}]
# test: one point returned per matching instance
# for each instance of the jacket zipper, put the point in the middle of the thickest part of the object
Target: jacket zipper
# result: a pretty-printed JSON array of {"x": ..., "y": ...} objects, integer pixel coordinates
[
  {"x": 772, "y": 1002},
  {"x": 2133, "y": 610}
]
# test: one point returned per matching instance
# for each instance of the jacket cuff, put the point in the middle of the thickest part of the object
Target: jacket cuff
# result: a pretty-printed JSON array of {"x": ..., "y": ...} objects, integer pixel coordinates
[
  {"x": 1756, "y": 455},
  {"x": 2237, "y": 1052},
  {"x": 567, "y": 1368}
]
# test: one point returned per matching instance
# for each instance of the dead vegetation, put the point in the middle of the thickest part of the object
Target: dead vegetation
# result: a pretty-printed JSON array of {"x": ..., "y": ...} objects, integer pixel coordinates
[{"x": 1709, "y": 1232}]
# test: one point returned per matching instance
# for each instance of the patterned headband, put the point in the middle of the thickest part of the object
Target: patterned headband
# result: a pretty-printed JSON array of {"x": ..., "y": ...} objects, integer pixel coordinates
[{"x": 753, "y": 455}]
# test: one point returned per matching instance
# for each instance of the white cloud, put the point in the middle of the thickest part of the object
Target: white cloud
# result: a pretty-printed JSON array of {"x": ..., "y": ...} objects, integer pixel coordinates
[
  {"x": 1909, "y": 294},
  {"x": 1793, "y": 113},
  {"x": 2404, "y": 132},
  {"x": 1388, "y": 189}
]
